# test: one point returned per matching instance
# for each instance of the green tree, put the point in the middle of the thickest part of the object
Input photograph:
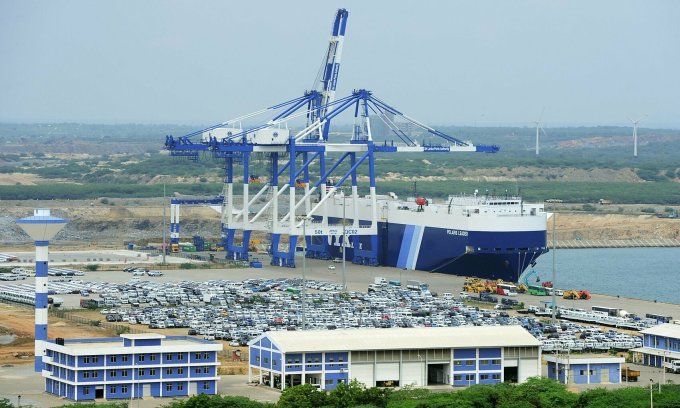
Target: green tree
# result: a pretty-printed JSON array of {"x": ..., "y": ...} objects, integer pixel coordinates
[
  {"x": 303, "y": 396},
  {"x": 346, "y": 395},
  {"x": 545, "y": 393},
  {"x": 92, "y": 267}
]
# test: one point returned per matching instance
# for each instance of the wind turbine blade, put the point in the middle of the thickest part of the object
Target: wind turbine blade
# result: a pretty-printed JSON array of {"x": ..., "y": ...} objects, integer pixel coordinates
[
  {"x": 543, "y": 130},
  {"x": 541, "y": 115}
]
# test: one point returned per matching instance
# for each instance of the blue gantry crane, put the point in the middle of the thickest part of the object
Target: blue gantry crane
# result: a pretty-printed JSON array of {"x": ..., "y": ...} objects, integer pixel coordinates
[{"x": 310, "y": 160}]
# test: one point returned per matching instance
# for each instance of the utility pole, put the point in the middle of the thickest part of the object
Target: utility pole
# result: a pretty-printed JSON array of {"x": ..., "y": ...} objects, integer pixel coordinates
[
  {"x": 554, "y": 298},
  {"x": 344, "y": 245},
  {"x": 164, "y": 248},
  {"x": 304, "y": 277}
]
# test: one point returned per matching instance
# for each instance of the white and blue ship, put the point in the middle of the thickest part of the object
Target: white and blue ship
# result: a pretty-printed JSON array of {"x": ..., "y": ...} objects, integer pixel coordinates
[{"x": 476, "y": 235}]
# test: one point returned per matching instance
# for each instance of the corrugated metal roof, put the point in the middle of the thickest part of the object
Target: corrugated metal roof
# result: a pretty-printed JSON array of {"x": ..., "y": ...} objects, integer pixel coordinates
[
  {"x": 401, "y": 338},
  {"x": 666, "y": 329}
]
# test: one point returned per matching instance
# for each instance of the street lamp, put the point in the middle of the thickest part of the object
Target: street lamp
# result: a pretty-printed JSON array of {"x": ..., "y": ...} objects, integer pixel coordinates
[
  {"x": 651, "y": 393},
  {"x": 344, "y": 244},
  {"x": 304, "y": 278},
  {"x": 554, "y": 298}
]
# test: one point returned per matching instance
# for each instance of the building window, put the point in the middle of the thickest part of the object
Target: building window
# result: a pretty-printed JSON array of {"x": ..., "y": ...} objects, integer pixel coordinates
[
  {"x": 297, "y": 360},
  {"x": 124, "y": 373},
  {"x": 86, "y": 360},
  {"x": 152, "y": 371},
  {"x": 341, "y": 359},
  {"x": 483, "y": 362},
  {"x": 124, "y": 389},
  {"x": 591, "y": 372},
  {"x": 86, "y": 390},
  {"x": 180, "y": 387},
  {"x": 152, "y": 357},
  {"x": 470, "y": 362},
  {"x": 113, "y": 359},
  {"x": 168, "y": 356},
  {"x": 95, "y": 374},
  {"x": 112, "y": 373},
  {"x": 140, "y": 372},
  {"x": 206, "y": 385},
  {"x": 329, "y": 381},
  {"x": 289, "y": 361},
  {"x": 180, "y": 356},
  {"x": 197, "y": 356},
  {"x": 484, "y": 377},
  {"x": 457, "y": 363},
  {"x": 95, "y": 359},
  {"x": 124, "y": 358},
  {"x": 469, "y": 377},
  {"x": 457, "y": 377},
  {"x": 206, "y": 356},
  {"x": 197, "y": 370},
  {"x": 496, "y": 361},
  {"x": 168, "y": 371},
  {"x": 257, "y": 359},
  {"x": 274, "y": 362},
  {"x": 113, "y": 389},
  {"x": 331, "y": 360},
  {"x": 140, "y": 358},
  {"x": 168, "y": 387},
  {"x": 206, "y": 370},
  {"x": 495, "y": 376},
  {"x": 266, "y": 360},
  {"x": 180, "y": 370},
  {"x": 582, "y": 372},
  {"x": 86, "y": 374}
]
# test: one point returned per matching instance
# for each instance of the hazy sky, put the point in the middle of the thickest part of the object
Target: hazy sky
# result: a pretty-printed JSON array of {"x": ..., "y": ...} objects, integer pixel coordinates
[{"x": 443, "y": 62}]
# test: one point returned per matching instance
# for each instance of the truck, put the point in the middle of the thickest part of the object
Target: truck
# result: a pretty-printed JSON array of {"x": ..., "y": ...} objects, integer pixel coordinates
[
  {"x": 672, "y": 366},
  {"x": 417, "y": 285},
  {"x": 627, "y": 374}
]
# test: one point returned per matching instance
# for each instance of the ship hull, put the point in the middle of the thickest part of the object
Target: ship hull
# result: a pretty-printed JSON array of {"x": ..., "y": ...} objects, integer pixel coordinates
[{"x": 484, "y": 254}]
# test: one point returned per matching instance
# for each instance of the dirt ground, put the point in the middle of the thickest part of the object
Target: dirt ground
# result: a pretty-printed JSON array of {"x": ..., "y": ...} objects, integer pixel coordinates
[{"x": 19, "y": 321}]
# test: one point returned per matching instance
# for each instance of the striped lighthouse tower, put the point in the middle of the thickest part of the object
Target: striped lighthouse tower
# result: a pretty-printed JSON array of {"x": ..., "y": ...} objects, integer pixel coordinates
[{"x": 41, "y": 227}]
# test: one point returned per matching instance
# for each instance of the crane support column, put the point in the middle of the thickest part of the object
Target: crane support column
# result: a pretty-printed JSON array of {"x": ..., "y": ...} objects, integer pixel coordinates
[
  {"x": 240, "y": 252},
  {"x": 366, "y": 247}
]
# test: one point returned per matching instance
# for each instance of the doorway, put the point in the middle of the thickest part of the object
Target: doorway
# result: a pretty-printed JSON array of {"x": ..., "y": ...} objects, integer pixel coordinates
[
  {"x": 510, "y": 375},
  {"x": 99, "y": 392},
  {"x": 436, "y": 374}
]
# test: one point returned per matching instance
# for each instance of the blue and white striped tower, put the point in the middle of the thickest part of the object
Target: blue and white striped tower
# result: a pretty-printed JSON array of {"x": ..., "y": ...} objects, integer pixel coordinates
[{"x": 41, "y": 227}]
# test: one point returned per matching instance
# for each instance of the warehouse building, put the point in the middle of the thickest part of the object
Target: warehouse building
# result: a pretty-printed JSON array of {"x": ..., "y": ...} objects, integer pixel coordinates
[
  {"x": 130, "y": 366},
  {"x": 457, "y": 356},
  {"x": 584, "y": 370},
  {"x": 660, "y": 345}
]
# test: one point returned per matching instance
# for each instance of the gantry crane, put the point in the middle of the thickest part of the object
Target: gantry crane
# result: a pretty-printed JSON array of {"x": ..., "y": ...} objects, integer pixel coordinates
[{"x": 291, "y": 156}]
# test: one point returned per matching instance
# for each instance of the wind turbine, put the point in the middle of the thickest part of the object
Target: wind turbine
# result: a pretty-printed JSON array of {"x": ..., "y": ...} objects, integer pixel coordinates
[
  {"x": 635, "y": 126},
  {"x": 538, "y": 126}
]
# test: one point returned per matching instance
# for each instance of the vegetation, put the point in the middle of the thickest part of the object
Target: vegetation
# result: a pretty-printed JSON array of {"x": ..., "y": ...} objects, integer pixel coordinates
[{"x": 534, "y": 393}]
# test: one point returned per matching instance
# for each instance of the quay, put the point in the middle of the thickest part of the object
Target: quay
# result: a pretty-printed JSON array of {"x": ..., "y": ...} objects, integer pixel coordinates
[{"x": 616, "y": 243}]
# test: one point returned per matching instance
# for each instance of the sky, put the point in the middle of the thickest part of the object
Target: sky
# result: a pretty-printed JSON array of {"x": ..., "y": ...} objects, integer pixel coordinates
[{"x": 468, "y": 63}]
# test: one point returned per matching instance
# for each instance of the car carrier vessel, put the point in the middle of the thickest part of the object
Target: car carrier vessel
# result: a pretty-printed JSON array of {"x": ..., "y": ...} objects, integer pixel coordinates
[{"x": 474, "y": 235}]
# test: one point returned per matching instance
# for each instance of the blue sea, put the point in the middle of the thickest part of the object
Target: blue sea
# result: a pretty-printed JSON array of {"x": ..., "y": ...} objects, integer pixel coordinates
[{"x": 641, "y": 273}]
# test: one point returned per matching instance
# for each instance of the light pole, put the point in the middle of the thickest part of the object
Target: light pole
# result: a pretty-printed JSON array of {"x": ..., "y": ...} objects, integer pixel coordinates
[
  {"x": 651, "y": 393},
  {"x": 554, "y": 298},
  {"x": 304, "y": 278},
  {"x": 344, "y": 245},
  {"x": 164, "y": 248}
]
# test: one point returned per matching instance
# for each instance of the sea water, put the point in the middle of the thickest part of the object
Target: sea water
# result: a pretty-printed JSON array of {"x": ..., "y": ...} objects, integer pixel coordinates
[{"x": 641, "y": 273}]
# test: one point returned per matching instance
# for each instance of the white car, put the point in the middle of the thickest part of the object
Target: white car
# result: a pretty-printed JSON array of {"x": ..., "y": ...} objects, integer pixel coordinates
[{"x": 331, "y": 266}]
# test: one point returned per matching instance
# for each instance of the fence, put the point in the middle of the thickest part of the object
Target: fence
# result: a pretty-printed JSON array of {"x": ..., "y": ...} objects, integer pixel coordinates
[{"x": 617, "y": 243}]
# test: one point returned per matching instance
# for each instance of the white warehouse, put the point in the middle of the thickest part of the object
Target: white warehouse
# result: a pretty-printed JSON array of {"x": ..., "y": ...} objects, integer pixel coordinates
[{"x": 457, "y": 356}]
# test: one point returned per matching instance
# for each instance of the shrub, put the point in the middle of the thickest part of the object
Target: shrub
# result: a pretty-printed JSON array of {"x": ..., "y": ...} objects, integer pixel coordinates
[{"x": 92, "y": 267}]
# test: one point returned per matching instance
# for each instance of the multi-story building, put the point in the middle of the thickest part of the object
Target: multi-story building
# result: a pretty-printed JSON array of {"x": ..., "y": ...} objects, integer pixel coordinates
[
  {"x": 458, "y": 356},
  {"x": 660, "y": 345},
  {"x": 130, "y": 366}
]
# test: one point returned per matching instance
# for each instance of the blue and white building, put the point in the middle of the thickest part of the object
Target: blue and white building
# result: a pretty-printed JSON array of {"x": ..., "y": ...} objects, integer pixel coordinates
[
  {"x": 457, "y": 356},
  {"x": 130, "y": 366},
  {"x": 584, "y": 370},
  {"x": 660, "y": 345}
]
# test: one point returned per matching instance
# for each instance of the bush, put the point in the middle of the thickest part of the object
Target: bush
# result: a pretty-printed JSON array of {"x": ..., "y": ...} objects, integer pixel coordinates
[
  {"x": 648, "y": 210},
  {"x": 92, "y": 267}
]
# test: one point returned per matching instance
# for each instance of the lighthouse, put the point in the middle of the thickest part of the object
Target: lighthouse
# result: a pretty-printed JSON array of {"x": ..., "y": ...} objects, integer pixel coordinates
[{"x": 41, "y": 227}]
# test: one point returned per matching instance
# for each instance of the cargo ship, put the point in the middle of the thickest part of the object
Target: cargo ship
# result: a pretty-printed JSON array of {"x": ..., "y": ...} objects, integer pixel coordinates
[{"x": 468, "y": 235}]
